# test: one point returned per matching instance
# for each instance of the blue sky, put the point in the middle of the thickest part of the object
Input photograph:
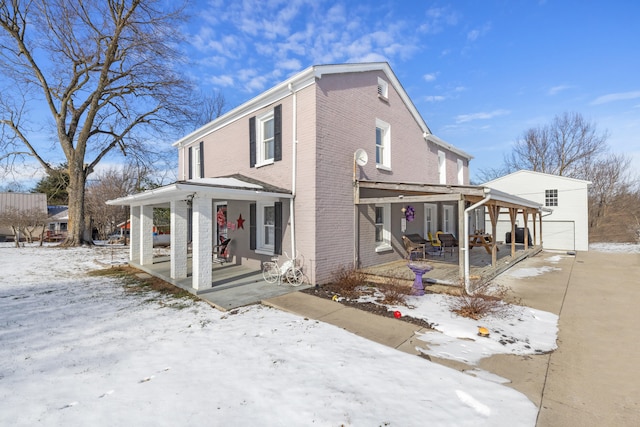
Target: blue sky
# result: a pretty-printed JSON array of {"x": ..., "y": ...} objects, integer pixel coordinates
[{"x": 479, "y": 72}]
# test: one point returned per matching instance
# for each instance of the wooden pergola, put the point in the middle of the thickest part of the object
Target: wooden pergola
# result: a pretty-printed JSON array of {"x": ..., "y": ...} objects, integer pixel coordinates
[{"x": 467, "y": 198}]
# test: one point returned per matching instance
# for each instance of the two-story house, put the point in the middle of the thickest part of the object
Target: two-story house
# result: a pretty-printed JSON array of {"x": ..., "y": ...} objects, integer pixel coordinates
[{"x": 324, "y": 164}]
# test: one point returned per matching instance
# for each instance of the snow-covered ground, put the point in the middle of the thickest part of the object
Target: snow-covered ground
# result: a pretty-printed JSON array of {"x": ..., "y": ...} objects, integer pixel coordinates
[{"x": 79, "y": 350}]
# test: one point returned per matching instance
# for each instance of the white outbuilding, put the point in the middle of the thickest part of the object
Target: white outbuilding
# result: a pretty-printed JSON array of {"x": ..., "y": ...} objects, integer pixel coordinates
[{"x": 567, "y": 226}]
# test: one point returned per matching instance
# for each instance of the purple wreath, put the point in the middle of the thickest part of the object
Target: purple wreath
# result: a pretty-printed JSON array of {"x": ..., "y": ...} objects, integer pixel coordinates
[{"x": 410, "y": 213}]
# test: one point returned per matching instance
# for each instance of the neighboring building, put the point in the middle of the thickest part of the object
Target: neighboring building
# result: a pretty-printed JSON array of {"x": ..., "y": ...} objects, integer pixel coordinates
[
  {"x": 567, "y": 227},
  {"x": 326, "y": 164},
  {"x": 58, "y": 223},
  {"x": 21, "y": 202}
]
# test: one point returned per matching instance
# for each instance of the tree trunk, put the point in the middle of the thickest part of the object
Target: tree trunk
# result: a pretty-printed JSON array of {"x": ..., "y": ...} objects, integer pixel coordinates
[{"x": 76, "y": 225}]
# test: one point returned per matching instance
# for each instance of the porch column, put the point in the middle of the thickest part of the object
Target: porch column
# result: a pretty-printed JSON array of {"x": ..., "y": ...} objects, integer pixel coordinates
[
  {"x": 202, "y": 243},
  {"x": 179, "y": 212},
  {"x": 134, "y": 235},
  {"x": 461, "y": 237},
  {"x": 146, "y": 235}
]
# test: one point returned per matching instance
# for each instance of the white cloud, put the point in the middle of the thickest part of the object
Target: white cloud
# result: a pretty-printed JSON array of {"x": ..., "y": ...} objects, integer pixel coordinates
[
  {"x": 480, "y": 116},
  {"x": 224, "y": 81},
  {"x": 473, "y": 35},
  {"x": 612, "y": 97},
  {"x": 434, "y": 98},
  {"x": 557, "y": 89},
  {"x": 430, "y": 77}
]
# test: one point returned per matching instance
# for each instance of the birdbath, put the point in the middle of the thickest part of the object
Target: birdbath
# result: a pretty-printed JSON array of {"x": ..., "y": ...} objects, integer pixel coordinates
[{"x": 419, "y": 268}]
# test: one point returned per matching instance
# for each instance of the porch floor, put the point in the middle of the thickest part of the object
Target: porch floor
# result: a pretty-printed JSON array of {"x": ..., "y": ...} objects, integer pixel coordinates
[
  {"x": 446, "y": 270},
  {"x": 232, "y": 286}
]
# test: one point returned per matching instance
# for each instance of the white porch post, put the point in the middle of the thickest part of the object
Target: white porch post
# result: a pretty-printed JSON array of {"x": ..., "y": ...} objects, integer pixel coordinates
[
  {"x": 134, "y": 235},
  {"x": 202, "y": 242},
  {"x": 146, "y": 235},
  {"x": 179, "y": 234}
]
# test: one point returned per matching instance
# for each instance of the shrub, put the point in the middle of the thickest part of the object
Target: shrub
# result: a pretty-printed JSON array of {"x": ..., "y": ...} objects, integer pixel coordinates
[
  {"x": 346, "y": 281},
  {"x": 395, "y": 293},
  {"x": 481, "y": 304}
]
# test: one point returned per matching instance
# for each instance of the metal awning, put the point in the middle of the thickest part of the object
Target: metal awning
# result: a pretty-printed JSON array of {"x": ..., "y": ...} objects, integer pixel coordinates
[{"x": 233, "y": 187}]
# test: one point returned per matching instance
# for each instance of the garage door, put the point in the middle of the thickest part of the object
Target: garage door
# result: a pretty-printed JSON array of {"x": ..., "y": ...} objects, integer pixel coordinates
[{"x": 559, "y": 235}]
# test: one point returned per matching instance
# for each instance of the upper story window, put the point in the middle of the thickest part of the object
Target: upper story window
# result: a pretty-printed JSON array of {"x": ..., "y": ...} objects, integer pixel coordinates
[
  {"x": 196, "y": 161},
  {"x": 460, "y": 172},
  {"x": 383, "y": 145},
  {"x": 383, "y": 89},
  {"x": 551, "y": 197},
  {"x": 265, "y": 137},
  {"x": 442, "y": 167}
]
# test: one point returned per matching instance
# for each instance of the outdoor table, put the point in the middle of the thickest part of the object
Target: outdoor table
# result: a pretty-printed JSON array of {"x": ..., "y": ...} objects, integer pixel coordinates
[{"x": 481, "y": 239}]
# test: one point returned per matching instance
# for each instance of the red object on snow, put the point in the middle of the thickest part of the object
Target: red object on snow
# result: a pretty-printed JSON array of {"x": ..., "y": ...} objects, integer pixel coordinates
[{"x": 397, "y": 314}]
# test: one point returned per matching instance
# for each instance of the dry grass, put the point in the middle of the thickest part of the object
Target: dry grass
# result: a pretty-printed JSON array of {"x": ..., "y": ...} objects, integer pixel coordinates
[
  {"x": 134, "y": 284},
  {"x": 481, "y": 304}
]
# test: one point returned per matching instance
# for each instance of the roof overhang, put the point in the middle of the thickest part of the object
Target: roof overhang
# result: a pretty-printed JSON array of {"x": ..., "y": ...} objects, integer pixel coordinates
[
  {"x": 224, "y": 188},
  {"x": 426, "y": 193}
]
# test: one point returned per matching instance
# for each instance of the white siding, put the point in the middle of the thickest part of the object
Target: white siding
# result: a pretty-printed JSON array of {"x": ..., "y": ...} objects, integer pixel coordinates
[{"x": 567, "y": 227}]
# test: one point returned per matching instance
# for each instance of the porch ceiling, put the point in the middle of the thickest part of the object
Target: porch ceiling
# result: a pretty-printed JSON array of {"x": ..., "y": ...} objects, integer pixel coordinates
[{"x": 234, "y": 187}]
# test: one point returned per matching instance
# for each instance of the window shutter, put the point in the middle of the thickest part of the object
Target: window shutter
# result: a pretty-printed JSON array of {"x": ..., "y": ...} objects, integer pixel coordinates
[
  {"x": 252, "y": 141},
  {"x": 201, "y": 159},
  {"x": 190, "y": 163},
  {"x": 277, "y": 245},
  {"x": 252, "y": 226},
  {"x": 277, "y": 133}
]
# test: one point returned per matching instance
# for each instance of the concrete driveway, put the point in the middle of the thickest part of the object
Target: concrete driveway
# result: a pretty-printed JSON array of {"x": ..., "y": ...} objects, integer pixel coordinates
[{"x": 593, "y": 378}]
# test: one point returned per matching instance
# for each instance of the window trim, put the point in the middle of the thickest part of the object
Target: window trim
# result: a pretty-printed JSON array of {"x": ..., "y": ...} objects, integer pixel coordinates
[
  {"x": 386, "y": 145},
  {"x": 261, "y": 159},
  {"x": 261, "y": 247},
  {"x": 442, "y": 167},
  {"x": 551, "y": 196},
  {"x": 460, "y": 172},
  {"x": 385, "y": 244}
]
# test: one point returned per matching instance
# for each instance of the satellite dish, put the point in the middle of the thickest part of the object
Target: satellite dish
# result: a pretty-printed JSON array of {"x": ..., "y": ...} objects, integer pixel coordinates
[{"x": 361, "y": 157}]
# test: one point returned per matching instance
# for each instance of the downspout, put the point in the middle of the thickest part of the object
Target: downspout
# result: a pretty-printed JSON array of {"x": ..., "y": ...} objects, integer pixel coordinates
[
  {"x": 465, "y": 248},
  {"x": 294, "y": 167}
]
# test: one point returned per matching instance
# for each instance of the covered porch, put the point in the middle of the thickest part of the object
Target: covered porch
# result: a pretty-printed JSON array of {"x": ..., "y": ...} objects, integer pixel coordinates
[
  {"x": 465, "y": 209},
  {"x": 196, "y": 218}
]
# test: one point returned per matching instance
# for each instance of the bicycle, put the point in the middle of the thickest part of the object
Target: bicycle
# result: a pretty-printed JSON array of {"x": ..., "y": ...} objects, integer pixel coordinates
[{"x": 290, "y": 271}]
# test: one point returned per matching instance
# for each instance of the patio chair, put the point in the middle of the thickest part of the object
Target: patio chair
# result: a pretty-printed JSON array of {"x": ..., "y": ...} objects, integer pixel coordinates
[
  {"x": 435, "y": 242},
  {"x": 448, "y": 241},
  {"x": 413, "y": 248},
  {"x": 221, "y": 251}
]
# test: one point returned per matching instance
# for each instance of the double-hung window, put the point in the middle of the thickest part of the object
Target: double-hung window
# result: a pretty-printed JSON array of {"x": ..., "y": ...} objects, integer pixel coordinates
[
  {"x": 551, "y": 197},
  {"x": 383, "y": 227},
  {"x": 442, "y": 167},
  {"x": 383, "y": 145},
  {"x": 265, "y": 227},
  {"x": 265, "y": 138}
]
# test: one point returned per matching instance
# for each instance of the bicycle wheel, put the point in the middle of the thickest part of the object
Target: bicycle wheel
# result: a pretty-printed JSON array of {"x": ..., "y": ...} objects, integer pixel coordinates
[
  {"x": 294, "y": 276},
  {"x": 270, "y": 272}
]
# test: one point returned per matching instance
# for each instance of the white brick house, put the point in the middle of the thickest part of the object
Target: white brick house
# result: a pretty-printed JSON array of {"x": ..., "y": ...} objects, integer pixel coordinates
[
  {"x": 567, "y": 226},
  {"x": 285, "y": 162}
]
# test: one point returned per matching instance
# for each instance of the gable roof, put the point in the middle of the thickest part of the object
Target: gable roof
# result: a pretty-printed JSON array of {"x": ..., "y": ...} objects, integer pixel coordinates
[
  {"x": 534, "y": 173},
  {"x": 306, "y": 78}
]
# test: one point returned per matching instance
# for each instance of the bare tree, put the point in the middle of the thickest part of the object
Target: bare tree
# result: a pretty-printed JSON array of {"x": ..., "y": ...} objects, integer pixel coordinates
[
  {"x": 104, "y": 72},
  {"x": 571, "y": 146},
  {"x": 107, "y": 185},
  {"x": 210, "y": 107},
  {"x": 23, "y": 222},
  {"x": 566, "y": 147}
]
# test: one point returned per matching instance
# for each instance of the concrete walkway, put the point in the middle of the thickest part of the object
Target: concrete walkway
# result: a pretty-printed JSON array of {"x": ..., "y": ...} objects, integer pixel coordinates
[{"x": 591, "y": 380}]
